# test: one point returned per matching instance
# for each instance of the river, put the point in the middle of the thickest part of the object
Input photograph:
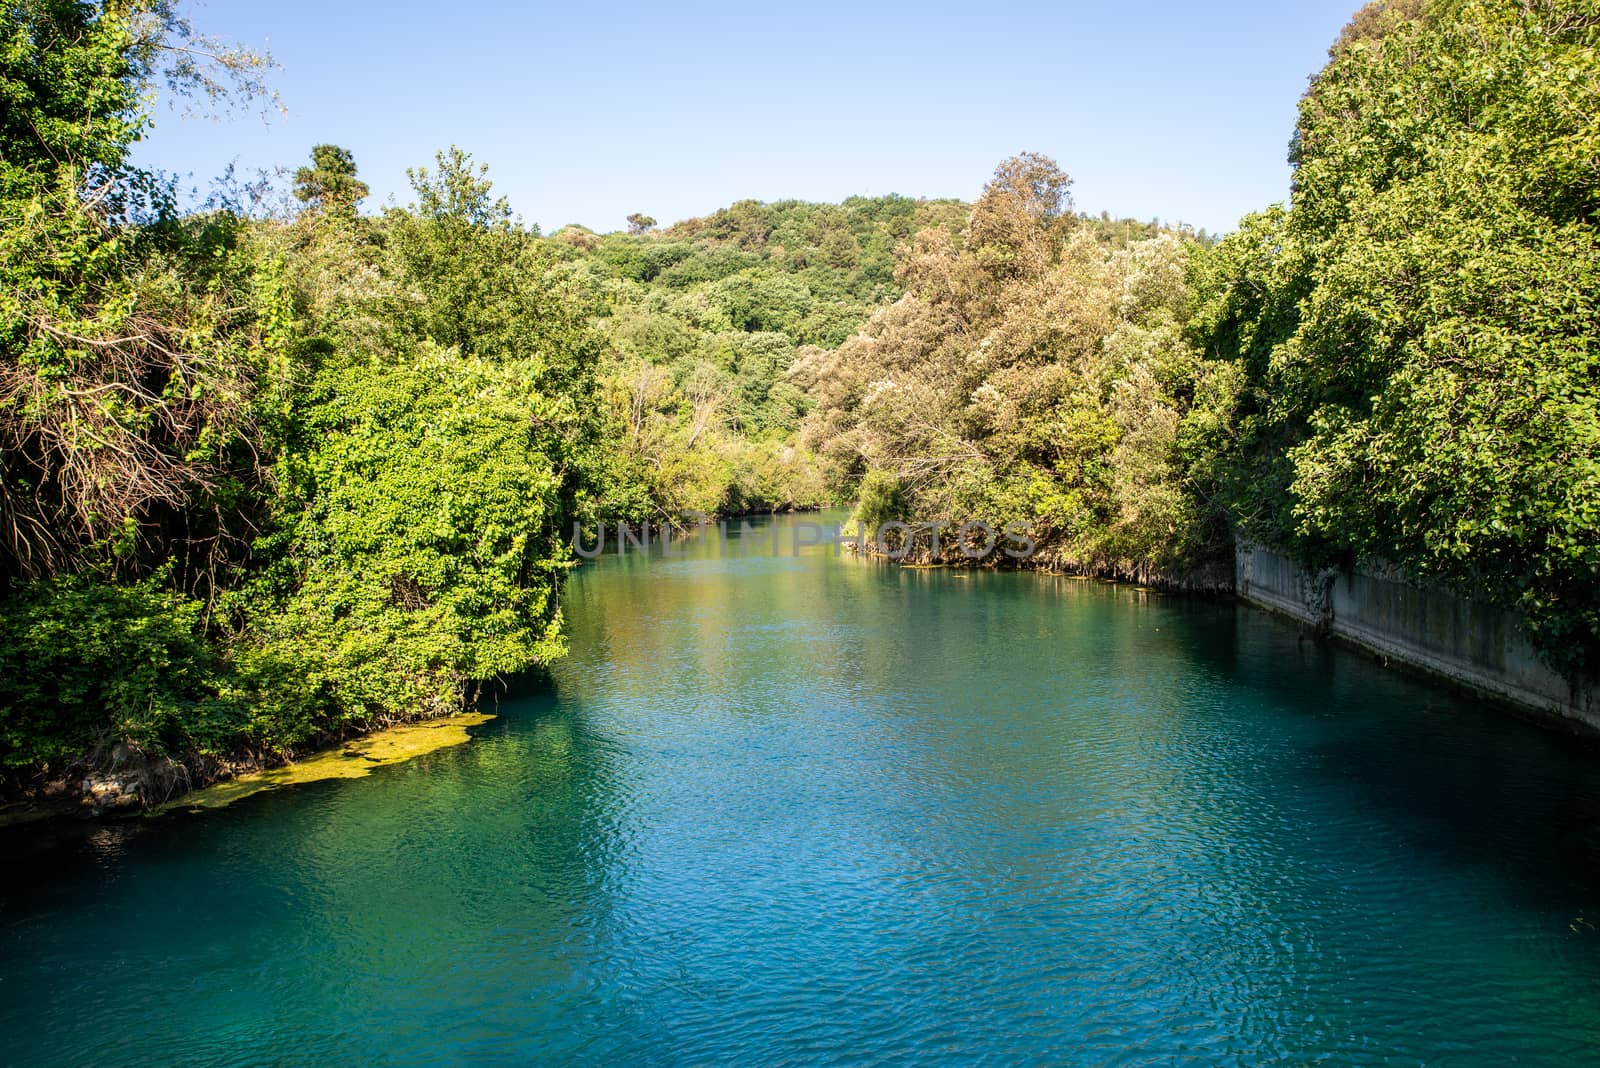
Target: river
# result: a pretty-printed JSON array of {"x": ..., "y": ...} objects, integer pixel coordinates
[{"x": 813, "y": 809}]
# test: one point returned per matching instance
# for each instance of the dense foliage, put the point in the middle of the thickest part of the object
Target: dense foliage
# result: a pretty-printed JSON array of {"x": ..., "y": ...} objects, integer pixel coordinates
[
  {"x": 705, "y": 320},
  {"x": 267, "y": 479},
  {"x": 263, "y": 480},
  {"x": 1038, "y": 374},
  {"x": 1418, "y": 333}
]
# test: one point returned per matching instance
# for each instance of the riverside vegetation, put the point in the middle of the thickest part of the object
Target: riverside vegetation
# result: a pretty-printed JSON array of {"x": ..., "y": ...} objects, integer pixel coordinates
[{"x": 270, "y": 477}]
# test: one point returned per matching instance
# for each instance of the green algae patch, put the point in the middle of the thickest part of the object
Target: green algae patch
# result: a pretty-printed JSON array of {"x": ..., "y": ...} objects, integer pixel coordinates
[{"x": 352, "y": 760}]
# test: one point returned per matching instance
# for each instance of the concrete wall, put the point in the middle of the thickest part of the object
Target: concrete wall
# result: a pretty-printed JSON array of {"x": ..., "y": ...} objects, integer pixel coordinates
[{"x": 1471, "y": 643}]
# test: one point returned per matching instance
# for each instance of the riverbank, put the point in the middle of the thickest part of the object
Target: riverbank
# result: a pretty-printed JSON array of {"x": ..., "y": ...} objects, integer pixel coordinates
[
  {"x": 1212, "y": 577},
  {"x": 129, "y": 781},
  {"x": 1453, "y": 642}
]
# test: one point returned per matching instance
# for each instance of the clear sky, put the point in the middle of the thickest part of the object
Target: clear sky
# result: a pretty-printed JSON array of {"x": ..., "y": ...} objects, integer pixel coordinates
[{"x": 588, "y": 111}]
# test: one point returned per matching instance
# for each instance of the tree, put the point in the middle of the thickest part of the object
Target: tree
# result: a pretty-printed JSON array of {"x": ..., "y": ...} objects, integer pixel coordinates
[
  {"x": 456, "y": 246},
  {"x": 124, "y": 375},
  {"x": 1035, "y": 375},
  {"x": 1417, "y": 331},
  {"x": 1017, "y": 225},
  {"x": 330, "y": 183},
  {"x": 457, "y": 193},
  {"x": 639, "y": 223}
]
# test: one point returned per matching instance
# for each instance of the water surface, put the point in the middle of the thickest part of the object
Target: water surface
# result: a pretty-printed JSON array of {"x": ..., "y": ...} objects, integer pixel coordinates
[{"x": 818, "y": 810}]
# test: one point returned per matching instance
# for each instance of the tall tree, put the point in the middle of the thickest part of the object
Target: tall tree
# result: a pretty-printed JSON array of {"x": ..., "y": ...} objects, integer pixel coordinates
[
  {"x": 1418, "y": 330},
  {"x": 1032, "y": 375},
  {"x": 330, "y": 183}
]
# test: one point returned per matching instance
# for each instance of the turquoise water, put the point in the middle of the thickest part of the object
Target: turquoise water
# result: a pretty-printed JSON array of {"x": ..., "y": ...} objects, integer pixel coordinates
[{"x": 817, "y": 810}]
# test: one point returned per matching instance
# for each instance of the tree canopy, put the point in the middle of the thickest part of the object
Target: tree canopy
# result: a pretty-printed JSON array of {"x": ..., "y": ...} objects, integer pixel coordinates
[
  {"x": 1417, "y": 332},
  {"x": 330, "y": 182}
]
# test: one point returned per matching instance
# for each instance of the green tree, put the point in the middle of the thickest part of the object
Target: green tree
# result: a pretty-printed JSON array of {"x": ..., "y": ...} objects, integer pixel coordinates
[
  {"x": 125, "y": 376},
  {"x": 1036, "y": 374},
  {"x": 330, "y": 183},
  {"x": 1417, "y": 331}
]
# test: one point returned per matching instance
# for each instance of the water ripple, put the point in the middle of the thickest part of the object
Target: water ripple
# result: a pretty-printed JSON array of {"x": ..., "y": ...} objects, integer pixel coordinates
[{"x": 823, "y": 812}]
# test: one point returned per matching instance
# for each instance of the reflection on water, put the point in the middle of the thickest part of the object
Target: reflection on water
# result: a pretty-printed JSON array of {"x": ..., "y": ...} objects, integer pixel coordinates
[{"x": 818, "y": 809}]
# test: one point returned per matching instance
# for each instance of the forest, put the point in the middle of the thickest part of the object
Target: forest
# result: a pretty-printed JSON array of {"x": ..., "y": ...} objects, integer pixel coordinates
[{"x": 288, "y": 466}]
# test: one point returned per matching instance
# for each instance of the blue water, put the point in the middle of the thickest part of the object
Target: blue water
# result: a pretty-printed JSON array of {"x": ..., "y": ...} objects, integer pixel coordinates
[{"x": 817, "y": 810}]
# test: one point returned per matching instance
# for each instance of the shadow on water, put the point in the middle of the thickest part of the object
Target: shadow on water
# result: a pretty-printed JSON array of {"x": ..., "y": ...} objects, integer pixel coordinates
[{"x": 1470, "y": 783}]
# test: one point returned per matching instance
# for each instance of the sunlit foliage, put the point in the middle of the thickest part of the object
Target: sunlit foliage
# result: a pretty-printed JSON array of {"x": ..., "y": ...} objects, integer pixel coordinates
[
  {"x": 1418, "y": 333},
  {"x": 1035, "y": 372}
]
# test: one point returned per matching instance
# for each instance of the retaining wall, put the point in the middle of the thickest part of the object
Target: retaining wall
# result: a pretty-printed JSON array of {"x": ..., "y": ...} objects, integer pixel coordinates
[{"x": 1470, "y": 643}]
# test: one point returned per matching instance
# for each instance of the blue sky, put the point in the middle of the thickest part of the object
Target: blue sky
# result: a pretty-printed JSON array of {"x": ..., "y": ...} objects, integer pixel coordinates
[{"x": 586, "y": 112}]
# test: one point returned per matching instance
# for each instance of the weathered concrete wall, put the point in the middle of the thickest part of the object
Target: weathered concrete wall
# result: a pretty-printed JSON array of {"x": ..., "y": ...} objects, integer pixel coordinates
[{"x": 1471, "y": 643}]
